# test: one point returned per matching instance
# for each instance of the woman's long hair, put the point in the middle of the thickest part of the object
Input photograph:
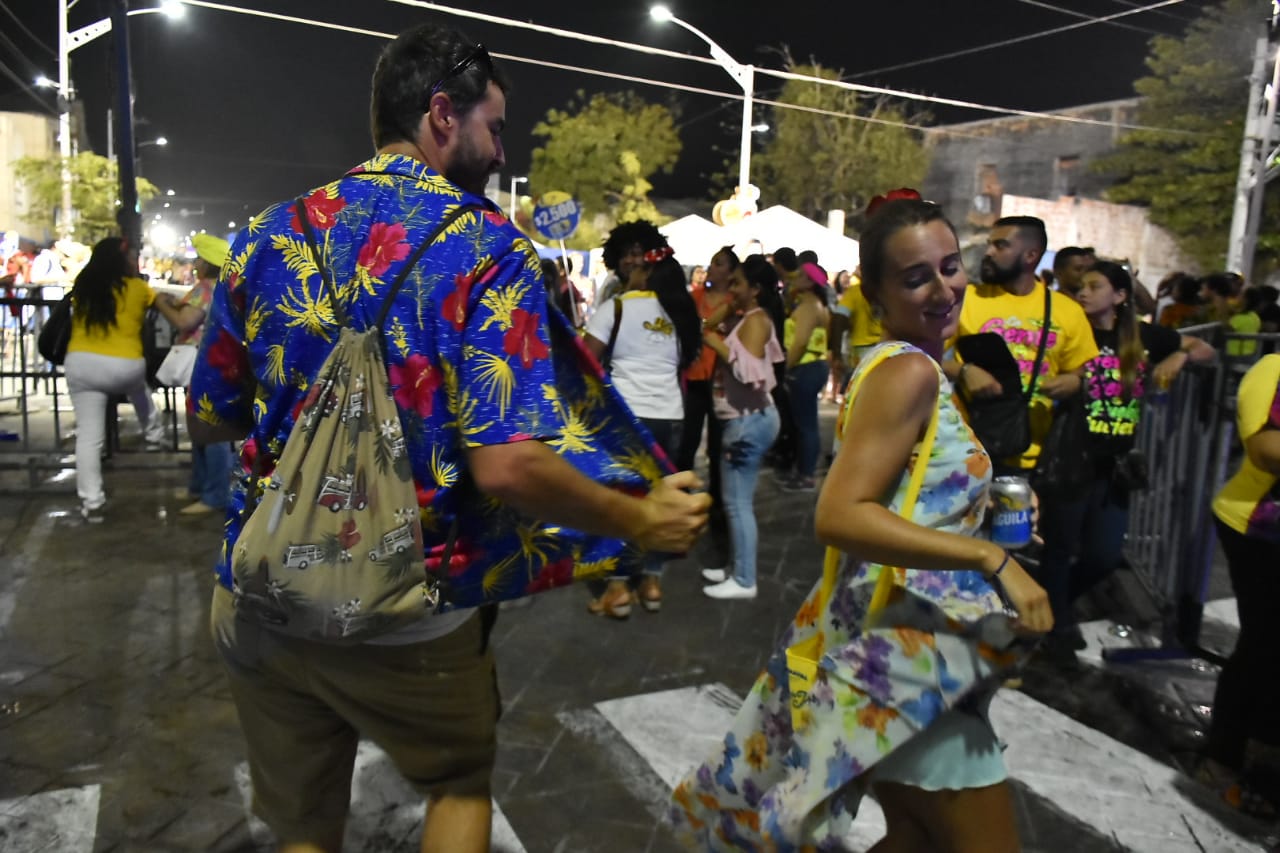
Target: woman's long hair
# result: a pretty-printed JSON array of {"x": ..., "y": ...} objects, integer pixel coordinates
[
  {"x": 667, "y": 282},
  {"x": 763, "y": 276},
  {"x": 94, "y": 296},
  {"x": 1130, "y": 341}
]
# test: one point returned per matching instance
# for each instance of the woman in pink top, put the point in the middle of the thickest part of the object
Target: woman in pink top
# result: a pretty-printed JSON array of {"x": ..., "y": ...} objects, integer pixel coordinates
[{"x": 743, "y": 405}]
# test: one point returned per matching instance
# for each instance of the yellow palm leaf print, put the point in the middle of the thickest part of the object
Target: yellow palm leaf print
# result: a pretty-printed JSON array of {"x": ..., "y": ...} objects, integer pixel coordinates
[
  {"x": 459, "y": 225},
  {"x": 493, "y": 577},
  {"x": 444, "y": 473},
  {"x": 642, "y": 463},
  {"x": 297, "y": 256},
  {"x": 498, "y": 378},
  {"x": 595, "y": 568},
  {"x": 576, "y": 436},
  {"x": 275, "y": 364},
  {"x": 253, "y": 320},
  {"x": 311, "y": 313},
  {"x": 205, "y": 412},
  {"x": 436, "y": 184},
  {"x": 502, "y": 302},
  {"x": 466, "y": 422}
]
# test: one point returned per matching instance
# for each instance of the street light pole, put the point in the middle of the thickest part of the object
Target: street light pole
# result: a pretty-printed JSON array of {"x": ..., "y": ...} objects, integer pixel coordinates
[
  {"x": 514, "y": 181},
  {"x": 129, "y": 217},
  {"x": 64, "y": 121},
  {"x": 745, "y": 76}
]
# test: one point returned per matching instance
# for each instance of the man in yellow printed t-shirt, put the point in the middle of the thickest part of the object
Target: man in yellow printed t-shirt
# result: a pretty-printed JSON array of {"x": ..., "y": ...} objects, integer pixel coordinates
[
  {"x": 854, "y": 329},
  {"x": 1010, "y": 302}
]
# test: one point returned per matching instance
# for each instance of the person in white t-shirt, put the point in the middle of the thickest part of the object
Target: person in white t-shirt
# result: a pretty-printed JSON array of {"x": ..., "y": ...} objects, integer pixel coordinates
[{"x": 645, "y": 337}]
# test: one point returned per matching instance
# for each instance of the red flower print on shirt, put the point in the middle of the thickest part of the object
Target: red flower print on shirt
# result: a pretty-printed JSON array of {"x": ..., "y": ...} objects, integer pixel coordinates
[
  {"x": 386, "y": 245},
  {"x": 228, "y": 357},
  {"x": 522, "y": 338},
  {"x": 416, "y": 383},
  {"x": 321, "y": 210},
  {"x": 455, "y": 304}
]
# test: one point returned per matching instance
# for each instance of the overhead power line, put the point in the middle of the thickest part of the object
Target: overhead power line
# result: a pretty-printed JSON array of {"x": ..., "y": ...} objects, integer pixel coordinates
[
  {"x": 1015, "y": 40},
  {"x": 858, "y": 87},
  {"x": 1085, "y": 16},
  {"x": 5, "y": 8}
]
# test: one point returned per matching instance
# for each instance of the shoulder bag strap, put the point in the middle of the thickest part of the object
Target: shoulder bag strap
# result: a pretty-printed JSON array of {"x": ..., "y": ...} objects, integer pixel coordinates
[
  {"x": 831, "y": 562},
  {"x": 1044, "y": 340},
  {"x": 613, "y": 334}
]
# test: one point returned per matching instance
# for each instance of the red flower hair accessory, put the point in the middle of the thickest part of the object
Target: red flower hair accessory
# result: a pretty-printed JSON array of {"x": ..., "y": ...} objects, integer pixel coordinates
[
  {"x": 892, "y": 195},
  {"x": 654, "y": 256}
]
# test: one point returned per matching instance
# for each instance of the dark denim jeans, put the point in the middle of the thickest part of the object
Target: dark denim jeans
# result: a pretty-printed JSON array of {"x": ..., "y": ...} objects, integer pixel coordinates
[{"x": 804, "y": 383}]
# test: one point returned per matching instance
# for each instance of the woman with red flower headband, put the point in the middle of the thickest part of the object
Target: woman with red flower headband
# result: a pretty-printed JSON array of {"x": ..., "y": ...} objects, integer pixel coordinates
[
  {"x": 645, "y": 337},
  {"x": 904, "y": 670}
]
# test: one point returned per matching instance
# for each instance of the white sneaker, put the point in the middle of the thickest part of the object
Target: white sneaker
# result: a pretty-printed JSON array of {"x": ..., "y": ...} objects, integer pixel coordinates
[
  {"x": 729, "y": 589},
  {"x": 714, "y": 575}
]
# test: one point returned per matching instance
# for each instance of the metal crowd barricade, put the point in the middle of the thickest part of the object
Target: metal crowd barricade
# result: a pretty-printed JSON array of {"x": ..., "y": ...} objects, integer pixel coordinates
[
  {"x": 1187, "y": 435},
  {"x": 37, "y": 445}
]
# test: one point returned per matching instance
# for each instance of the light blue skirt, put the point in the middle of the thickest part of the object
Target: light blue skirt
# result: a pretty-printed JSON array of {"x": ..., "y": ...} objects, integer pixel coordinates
[{"x": 958, "y": 750}]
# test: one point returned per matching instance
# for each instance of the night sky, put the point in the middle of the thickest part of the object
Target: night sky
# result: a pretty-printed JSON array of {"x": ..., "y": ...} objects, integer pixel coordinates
[{"x": 257, "y": 111}]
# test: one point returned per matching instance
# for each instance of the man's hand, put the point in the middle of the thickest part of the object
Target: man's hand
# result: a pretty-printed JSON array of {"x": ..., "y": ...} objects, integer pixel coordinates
[
  {"x": 1060, "y": 387},
  {"x": 978, "y": 383},
  {"x": 671, "y": 518}
]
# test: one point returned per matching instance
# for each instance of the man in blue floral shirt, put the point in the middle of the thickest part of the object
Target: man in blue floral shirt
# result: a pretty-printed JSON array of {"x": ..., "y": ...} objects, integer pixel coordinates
[{"x": 504, "y": 418}]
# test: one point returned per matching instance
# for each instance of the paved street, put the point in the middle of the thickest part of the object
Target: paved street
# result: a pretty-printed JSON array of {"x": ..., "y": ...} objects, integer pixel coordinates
[{"x": 117, "y": 732}]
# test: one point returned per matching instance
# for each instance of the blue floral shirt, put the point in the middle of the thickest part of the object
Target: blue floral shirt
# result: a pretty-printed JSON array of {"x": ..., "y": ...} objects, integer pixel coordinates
[{"x": 475, "y": 357}]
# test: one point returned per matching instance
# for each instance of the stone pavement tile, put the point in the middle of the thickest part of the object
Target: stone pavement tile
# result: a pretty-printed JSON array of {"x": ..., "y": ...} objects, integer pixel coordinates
[{"x": 203, "y": 826}]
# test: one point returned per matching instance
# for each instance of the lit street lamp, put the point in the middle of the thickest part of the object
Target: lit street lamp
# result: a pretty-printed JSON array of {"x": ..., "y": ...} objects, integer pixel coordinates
[
  {"x": 745, "y": 76},
  {"x": 67, "y": 42}
]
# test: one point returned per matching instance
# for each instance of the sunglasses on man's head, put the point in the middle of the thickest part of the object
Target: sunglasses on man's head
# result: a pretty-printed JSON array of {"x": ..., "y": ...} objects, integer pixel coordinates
[{"x": 476, "y": 54}]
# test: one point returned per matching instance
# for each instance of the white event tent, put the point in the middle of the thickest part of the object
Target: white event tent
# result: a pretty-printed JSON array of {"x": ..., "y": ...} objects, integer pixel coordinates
[{"x": 696, "y": 239}]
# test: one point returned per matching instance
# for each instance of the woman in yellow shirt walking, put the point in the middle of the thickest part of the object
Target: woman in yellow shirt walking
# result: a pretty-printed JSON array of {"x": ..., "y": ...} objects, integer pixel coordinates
[{"x": 104, "y": 357}]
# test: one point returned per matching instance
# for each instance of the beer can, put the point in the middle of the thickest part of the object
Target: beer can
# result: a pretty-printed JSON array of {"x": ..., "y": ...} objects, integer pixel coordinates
[{"x": 1011, "y": 502}]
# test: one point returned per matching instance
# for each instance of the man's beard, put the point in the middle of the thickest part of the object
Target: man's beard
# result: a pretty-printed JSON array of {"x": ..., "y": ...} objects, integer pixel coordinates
[
  {"x": 993, "y": 273},
  {"x": 469, "y": 170}
]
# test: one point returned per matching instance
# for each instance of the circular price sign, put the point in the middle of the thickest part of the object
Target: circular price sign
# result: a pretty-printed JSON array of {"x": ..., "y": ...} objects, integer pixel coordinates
[{"x": 556, "y": 215}]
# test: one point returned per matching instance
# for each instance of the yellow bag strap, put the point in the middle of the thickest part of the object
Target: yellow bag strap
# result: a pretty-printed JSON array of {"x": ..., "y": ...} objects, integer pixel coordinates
[{"x": 831, "y": 562}]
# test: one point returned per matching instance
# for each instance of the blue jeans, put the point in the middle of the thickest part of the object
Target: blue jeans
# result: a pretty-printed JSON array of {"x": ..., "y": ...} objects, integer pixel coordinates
[
  {"x": 804, "y": 383},
  {"x": 211, "y": 473},
  {"x": 746, "y": 439}
]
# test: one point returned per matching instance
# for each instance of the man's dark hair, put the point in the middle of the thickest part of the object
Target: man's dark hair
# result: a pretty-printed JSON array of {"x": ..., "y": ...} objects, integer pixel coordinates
[
  {"x": 1029, "y": 227},
  {"x": 411, "y": 65},
  {"x": 786, "y": 258},
  {"x": 1066, "y": 253},
  {"x": 628, "y": 234}
]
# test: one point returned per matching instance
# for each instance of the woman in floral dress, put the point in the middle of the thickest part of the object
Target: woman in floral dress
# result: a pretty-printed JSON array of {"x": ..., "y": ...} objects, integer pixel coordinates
[{"x": 899, "y": 703}]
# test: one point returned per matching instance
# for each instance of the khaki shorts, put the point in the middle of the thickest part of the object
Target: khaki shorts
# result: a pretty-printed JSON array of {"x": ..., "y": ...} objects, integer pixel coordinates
[{"x": 432, "y": 707}]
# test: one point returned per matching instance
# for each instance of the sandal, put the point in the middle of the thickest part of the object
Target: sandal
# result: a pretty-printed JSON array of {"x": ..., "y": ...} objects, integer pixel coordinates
[
  {"x": 614, "y": 602},
  {"x": 649, "y": 593}
]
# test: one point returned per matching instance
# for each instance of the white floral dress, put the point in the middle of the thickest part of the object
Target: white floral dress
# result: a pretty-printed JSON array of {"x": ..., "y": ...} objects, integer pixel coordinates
[{"x": 942, "y": 640}]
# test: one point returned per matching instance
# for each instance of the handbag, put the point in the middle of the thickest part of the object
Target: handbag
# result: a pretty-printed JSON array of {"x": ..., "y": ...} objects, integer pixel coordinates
[
  {"x": 55, "y": 336},
  {"x": 1003, "y": 424},
  {"x": 1066, "y": 462},
  {"x": 175, "y": 370},
  {"x": 803, "y": 657}
]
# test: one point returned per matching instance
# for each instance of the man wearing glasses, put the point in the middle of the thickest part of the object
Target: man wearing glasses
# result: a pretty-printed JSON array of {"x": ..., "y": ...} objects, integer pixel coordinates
[{"x": 482, "y": 421}]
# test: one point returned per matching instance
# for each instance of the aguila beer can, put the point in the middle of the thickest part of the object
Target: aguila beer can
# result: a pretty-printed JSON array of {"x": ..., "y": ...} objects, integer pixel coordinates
[{"x": 1011, "y": 502}]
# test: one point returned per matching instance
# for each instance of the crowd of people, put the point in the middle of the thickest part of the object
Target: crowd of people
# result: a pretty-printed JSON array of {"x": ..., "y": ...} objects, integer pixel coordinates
[{"x": 515, "y": 404}]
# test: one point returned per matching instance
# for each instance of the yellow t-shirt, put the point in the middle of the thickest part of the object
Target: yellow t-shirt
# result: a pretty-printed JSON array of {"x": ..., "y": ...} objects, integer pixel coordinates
[
  {"x": 1247, "y": 503},
  {"x": 864, "y": 328},
  {"x": 1019, "y": 319},
  {"x": 124, "y": 339}
]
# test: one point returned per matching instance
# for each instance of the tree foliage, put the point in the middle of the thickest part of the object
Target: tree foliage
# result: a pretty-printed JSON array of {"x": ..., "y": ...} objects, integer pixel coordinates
[
  {"x": 1198, "y": 85},
  {"x": 602, "y": 151},
  {"x": 95, "y": 192},
  {"x": 816, "y": 161}
]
